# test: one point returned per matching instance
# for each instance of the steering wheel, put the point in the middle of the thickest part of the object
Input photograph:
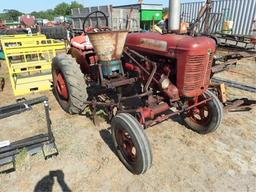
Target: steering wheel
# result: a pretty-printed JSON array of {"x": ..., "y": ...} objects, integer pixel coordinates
[{"x": 97, "y": 28}]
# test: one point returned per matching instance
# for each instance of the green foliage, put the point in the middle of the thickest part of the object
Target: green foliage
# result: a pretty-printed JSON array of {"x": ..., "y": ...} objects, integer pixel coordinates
[
  {"x": 75, "y": 4},
  {"x": 22, "y": 157},
  {"x": 48, "y": 14},
  {"x": 10, "y": 14},
  {"x": 2, "y": 16},
  {"x": 62, "y": 9}
]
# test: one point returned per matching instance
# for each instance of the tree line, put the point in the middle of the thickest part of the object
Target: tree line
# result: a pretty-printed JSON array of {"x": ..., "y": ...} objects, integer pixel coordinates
[{"x": 62, "y": 9}]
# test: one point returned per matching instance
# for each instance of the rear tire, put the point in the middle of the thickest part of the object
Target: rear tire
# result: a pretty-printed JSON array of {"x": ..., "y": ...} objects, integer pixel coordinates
[
  {"x": 132, "y": 145},
  {"x": 71, "y": 93},
  {"x": 208, "y": 123}
]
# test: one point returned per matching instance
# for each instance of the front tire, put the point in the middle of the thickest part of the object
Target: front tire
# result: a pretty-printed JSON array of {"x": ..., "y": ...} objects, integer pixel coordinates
[
  {"x": 132, "y": 145},
  {"x": 69, "y": 84},
  {"x": 208, "y": 116}
]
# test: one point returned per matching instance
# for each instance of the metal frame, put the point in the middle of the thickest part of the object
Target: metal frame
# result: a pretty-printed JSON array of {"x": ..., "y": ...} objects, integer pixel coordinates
[
  {"x": 235, "y": 84},
  {"x": 240, "y": 105},
  {"x": 158, "y": 115},
  {"x": 28, "y": 59},
  {"x": 33, "y": 144},
  {"x": 235, "y": 41}
]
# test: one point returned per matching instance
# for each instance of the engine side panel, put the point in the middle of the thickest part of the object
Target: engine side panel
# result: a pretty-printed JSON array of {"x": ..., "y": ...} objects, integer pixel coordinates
[{"x": 193, "y": 56}]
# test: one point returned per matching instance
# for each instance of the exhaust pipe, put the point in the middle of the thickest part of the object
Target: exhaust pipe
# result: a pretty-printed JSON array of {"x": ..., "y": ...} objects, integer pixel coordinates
[{"x": 174, "y": 16}]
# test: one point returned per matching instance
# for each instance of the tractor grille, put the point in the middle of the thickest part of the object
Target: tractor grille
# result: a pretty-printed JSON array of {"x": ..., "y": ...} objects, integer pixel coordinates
[
  {"x": 209, "y": 71},
  {"x": 197, "y": 73}
]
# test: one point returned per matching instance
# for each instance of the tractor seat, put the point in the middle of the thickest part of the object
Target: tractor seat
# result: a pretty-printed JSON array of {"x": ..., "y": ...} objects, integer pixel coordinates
[{"x": 82, "y": 42}]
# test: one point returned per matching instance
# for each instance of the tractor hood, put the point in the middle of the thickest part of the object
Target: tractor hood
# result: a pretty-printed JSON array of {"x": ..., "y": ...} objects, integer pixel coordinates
[{"x": 170, "y": 44}]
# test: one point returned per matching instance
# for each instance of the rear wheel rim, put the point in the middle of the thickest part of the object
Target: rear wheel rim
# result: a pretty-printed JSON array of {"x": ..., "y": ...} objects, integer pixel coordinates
[
  {"x": 126, "y": 145},
  {"x": 61, "y": 85}
]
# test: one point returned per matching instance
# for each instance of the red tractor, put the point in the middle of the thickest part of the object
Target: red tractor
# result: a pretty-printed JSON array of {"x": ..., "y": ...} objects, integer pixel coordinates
[{"x": 140, "y": 80}]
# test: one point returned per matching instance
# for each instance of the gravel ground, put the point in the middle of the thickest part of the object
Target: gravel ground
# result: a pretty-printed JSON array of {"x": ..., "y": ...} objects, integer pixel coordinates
[{"x": 182, "y": 160}]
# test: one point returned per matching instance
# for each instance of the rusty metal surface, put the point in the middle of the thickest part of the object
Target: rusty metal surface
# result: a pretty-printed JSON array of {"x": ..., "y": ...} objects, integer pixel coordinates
[
  {"x": 239, "y": 105},
  {"x": 108, "y": 45},
  {"x": 137, "y": 96},
  {"x": 236, "y": 41},
  {"x": 205, "y": 11},
  {"x": 162, "y": 118},
  {"x": 139, "y": 65},
  {"x": 129, "y": 53},
  {"x": 224, "y": 66},
  {"x": 118, "y": 82},
  {"x": 193, "y": 55},
  {"x": 152, "y": 112},
  {"x": 226, "y": 62}
]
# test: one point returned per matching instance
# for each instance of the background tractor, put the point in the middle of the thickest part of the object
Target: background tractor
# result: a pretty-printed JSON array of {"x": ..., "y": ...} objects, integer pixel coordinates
[{"x": 139, "y": 79}]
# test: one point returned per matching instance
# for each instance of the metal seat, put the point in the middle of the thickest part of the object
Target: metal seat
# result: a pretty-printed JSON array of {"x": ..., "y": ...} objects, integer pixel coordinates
[{"x": 82, "y": 42}]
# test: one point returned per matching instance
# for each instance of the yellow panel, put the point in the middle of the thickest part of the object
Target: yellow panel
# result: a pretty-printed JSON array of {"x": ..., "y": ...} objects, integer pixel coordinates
[
  {"x": 29, "y": 61},
  {"x": 24, "y": 36},
  {"x": 40, "y": 47},
  {"x": 29, "y": 85},
  {"x": 12, "y": 40},
  {"x": 33, "y": 88},
  {"x": 30, "y": 67}
]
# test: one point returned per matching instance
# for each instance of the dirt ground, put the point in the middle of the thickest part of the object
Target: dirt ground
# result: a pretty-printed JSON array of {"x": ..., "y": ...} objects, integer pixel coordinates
[{"x": 182, "y": 160}]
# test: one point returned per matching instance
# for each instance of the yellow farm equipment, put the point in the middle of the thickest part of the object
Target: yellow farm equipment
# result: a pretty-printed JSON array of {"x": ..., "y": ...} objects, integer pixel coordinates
[{"x": 28, "y": 58}]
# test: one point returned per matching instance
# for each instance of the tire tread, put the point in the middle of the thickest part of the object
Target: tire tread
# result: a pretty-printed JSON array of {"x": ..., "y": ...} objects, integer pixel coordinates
[{"x": 75, "y": 81}]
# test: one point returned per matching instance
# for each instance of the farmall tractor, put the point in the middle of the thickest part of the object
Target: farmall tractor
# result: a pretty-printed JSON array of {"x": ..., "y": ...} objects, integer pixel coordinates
[{"x": 140, "y": 80}]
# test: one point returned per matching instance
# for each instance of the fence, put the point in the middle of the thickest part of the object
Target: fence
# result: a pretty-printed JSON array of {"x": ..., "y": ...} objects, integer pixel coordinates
[{"x": 241, "y": 12}]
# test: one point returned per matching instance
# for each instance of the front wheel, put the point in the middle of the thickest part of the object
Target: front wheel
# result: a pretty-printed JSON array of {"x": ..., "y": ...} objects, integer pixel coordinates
[
  {"x": 207, "y": 117},
  {"x": 131, "y": 143}
]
